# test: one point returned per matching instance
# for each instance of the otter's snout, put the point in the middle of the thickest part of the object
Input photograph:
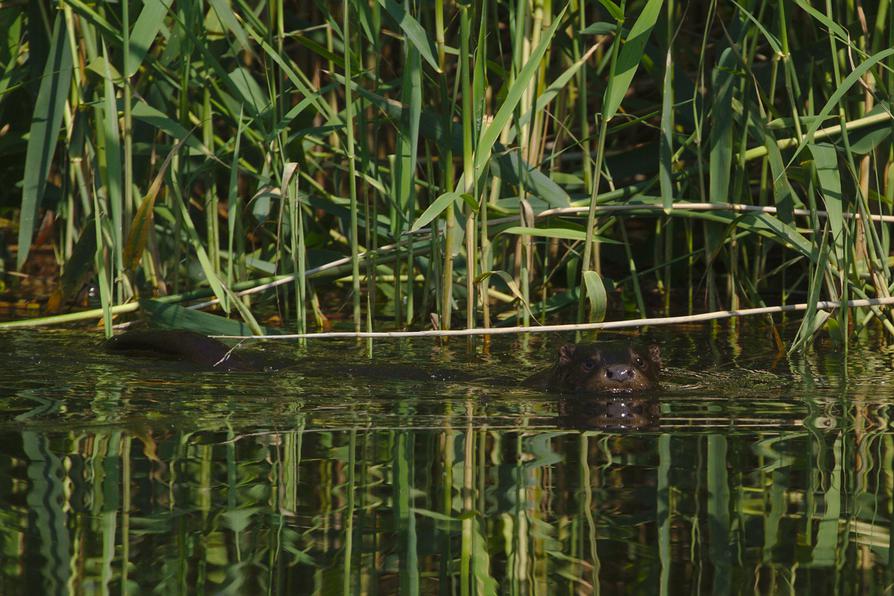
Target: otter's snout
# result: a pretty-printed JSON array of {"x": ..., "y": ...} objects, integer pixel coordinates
[{"x": 618, "y": 372}]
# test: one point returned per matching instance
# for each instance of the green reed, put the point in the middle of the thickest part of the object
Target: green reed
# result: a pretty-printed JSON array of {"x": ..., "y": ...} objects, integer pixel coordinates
[{"x": 379, "y": 105}]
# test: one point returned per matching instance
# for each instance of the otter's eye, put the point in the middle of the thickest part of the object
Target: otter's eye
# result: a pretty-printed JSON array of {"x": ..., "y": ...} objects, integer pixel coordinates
[
  {"x": 638, "y": 361},
  {"x": 587, "y": 365}
]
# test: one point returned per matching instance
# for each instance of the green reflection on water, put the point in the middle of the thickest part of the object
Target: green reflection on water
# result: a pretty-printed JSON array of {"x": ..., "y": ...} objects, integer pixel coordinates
[{"x": 741, "y": 475}]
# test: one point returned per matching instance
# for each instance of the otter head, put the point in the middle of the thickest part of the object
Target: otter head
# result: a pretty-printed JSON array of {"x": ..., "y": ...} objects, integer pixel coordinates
[{"x": 611, "y": 367}]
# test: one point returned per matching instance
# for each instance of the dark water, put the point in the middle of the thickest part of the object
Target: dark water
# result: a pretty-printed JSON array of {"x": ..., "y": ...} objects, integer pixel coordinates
[{"x": 749, "y": 472}]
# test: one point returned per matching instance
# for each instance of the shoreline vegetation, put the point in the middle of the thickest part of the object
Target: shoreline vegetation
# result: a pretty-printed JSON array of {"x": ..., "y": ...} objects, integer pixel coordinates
[{"x": 451, "y": 165}]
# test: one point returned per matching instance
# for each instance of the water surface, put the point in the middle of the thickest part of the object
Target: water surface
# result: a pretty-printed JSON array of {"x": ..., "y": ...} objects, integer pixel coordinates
[{"x": 748, "y": 472}]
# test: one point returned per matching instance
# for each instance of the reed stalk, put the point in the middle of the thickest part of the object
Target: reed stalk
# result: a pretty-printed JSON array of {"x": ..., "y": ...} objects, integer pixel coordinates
[
  {"x": 766, "y": 121},
  {"x": 352, "y": 179}
]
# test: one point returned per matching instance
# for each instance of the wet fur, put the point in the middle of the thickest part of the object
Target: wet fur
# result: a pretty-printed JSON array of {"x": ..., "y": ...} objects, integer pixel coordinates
[
  {"x": 608, "y": 367},
  {"x": 183, "y": 346}
]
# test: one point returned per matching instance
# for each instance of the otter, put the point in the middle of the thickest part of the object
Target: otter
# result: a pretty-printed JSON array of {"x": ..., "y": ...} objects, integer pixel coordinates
[
  {"x": 183, "y": 346},
  {"x": 606, "y": 367}
]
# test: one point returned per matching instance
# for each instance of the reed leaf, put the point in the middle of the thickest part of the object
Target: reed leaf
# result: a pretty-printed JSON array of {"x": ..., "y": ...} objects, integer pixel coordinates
[
  {"x": 629, "y": 58},
  {"x": 613, "y": 9},
  {"x": 783, "y": 193},
  {"x": 144, "y": 112},
  {"x": 813, "y": 319},
  {"x": 144, "y": 218},
  {"x": 720, "y": 155},
  {"x": 491, "y": 132},
  {"x": 563, "y": 233},
  {"x": 436, "y": 208},
  {"x": 229, "y": 20},
  {"x": 511, "y": 284},
  {"x": 44, "y": 132},
  {"x": 596, "y": 296},
  {"x": 376, "y": 142},
  {"x": 600, "y": 28},
  {"x": 849, "y": 81},
  {"x": 834, "y": 27},
  {"x": 192, "y": 237},
  {"x": 173, "y": 316},
  {"x": 826, "y": 160},
  {"x": 413, "y": 30},
  {"x": 666, "y": 141},
  {"x": 145, "y": 30},
  {"x": 112, "y": 172}
]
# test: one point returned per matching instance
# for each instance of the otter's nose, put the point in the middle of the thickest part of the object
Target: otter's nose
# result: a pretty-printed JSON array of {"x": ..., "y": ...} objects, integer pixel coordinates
[{"x": 619, "y": 372}]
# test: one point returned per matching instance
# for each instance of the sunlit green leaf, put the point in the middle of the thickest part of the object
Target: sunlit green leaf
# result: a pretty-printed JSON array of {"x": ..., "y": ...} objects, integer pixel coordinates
[
  {"x": 228, "y": 19},
  {"x": 849, "y": 81},
  {"x": 629, "y": 58},
  {"x": 826, "y": 160},
  {"x": 563, "y": 233},
  {"x": 413, "y": 30},
  {"x": 613, "y": 9},
  {"x": 598, "y": 29},
  {"x": 595, "y": 295},
  {"x": 145, "y": 30},
  {"x": 44, "y": 133},
  {"x": 435, "y": 209},
  {"x": 491, "y": 132}
]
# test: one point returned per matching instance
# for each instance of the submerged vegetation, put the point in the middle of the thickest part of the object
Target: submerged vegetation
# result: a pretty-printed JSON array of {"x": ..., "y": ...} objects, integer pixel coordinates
[{"x": 453, "y": 163}]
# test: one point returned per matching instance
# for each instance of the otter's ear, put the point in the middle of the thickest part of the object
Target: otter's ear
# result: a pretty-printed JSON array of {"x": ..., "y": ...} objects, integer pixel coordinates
[
  {"x": 566, "y": 354},
  {"x": 655, "y": 354}
]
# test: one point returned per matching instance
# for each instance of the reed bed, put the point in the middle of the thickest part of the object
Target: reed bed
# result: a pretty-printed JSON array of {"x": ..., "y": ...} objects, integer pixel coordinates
[{"x": 467, "y": 164}]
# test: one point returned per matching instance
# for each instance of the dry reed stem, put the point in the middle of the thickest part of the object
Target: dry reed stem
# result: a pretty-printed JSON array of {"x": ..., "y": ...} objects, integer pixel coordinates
[{"x": 605, "y": 325}]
